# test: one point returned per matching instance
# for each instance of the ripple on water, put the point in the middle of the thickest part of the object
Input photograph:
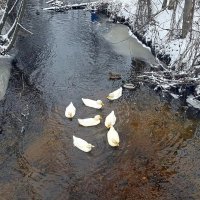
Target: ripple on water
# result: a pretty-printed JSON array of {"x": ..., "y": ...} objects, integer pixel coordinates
[{"x": 150, "y": 137}]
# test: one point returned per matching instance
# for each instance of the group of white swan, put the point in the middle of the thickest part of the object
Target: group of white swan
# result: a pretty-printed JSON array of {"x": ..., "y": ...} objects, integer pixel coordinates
[{"x": 112, "y": 135}]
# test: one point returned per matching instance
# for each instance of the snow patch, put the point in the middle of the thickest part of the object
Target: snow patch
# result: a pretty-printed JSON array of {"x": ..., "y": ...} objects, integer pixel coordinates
[
  {"x": 5, "y": 67},
  {"x": 175, "y": 96},
  {"x": 198, "y": 89}
]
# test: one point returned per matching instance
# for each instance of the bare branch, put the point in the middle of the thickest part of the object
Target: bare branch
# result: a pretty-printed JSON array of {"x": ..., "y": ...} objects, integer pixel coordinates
[
  {"x": 17, "y": 20},
  {"x": 5, "y": 15},
  {"x": 16, "y": 26},
  {"x": 13, "y": 7}
]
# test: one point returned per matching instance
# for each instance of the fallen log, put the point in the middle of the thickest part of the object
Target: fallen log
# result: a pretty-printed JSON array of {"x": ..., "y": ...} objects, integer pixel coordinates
[{"x": 68, "y": 7}]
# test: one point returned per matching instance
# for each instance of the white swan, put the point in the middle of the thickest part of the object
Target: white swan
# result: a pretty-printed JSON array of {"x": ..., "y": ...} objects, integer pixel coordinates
[
  {"x": 90, "y": 121},
  {"x": 92, "y": 103},
  {"x": 110, "y": 120},
  {"x": 113, "y": 137},
  {"x": 115, "y": 95},
  {"x": 82, "y": 144},
  {"x": 70, "y": 111}
]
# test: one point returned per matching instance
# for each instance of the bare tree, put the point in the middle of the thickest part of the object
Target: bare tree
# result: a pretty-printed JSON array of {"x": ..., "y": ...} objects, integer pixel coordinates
[
  {"x": 144, "y": 14},
  {"x": 7, "y": 39}
]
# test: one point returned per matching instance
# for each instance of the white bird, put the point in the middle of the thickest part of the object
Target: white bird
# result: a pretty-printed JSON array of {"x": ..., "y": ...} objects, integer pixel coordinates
[
  {"x": 110, "y": 120},
  {"x": 115, "y": 95},
  {"x": 90, "y": 121},
  {"x": 113, "y": 137},
  {"x": 82, "y": 144},
  {"x": 70, "y": 111},
  {"x": 92, "y": 103}
]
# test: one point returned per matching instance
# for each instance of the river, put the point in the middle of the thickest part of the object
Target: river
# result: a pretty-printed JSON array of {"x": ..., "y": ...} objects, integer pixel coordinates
[{"x": 68, "y": 58}]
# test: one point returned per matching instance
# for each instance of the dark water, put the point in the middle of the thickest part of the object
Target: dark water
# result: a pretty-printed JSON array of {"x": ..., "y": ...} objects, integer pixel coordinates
[{"x": 68, "y": 58}]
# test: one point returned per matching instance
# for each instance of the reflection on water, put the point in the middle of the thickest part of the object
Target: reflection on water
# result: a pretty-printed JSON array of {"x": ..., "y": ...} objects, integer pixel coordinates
[{"x": 69, "y": 59}]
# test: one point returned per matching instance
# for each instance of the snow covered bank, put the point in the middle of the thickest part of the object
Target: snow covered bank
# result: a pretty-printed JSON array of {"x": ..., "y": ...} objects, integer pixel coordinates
[
  {"x": 5, "y": 67},
  {"x": 161, "y": 28}
]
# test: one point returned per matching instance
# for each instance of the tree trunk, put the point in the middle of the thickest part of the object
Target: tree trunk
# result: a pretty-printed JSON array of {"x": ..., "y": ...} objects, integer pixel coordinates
[
  {"x": 188, "y": 13},
  {"x": 172, "y": 4},
  {"x": 164, "y": 5},
  {"x": 149, "y": 9},
  {"x": 144, "y": 14}
]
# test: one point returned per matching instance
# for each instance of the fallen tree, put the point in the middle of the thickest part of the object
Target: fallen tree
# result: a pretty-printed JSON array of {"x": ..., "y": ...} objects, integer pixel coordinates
[{"x": 60, "y": 6}]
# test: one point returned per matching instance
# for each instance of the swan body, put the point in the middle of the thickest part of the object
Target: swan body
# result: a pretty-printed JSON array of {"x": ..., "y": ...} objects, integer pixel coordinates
[
  {"x": 82, "y": 144},
  {"x": 110, "y": 120},
  {"x": 92, "y": 103},
  {"x": 90, "y": 121},
  {"x": 115, "y": 95},
  {"x": 113, "y": 137},
  {"x": 70, "y": 111}
]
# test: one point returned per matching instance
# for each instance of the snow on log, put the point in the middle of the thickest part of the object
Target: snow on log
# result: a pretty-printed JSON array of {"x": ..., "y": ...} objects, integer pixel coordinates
[
  {"x": 77, "y": 6},
  {"x": 193, "y": 102},
  {"x": 49, "y": 2},
  {"x": 56, "y": 8}
]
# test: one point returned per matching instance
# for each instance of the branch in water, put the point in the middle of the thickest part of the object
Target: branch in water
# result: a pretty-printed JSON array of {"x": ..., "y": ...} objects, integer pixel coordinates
[{"x": 13, "y": 7}]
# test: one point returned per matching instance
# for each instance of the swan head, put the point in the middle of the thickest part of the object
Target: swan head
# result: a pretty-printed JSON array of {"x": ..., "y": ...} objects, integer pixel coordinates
[
  {"x": 110, "y": 96},
  {"x": 97, "y": 117},
  {"x": 100, "y": 102},
  {"x": 109, "y": 125},
  {"x": 90, "y": 146},
  {"x": 115, "y": 142}
]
